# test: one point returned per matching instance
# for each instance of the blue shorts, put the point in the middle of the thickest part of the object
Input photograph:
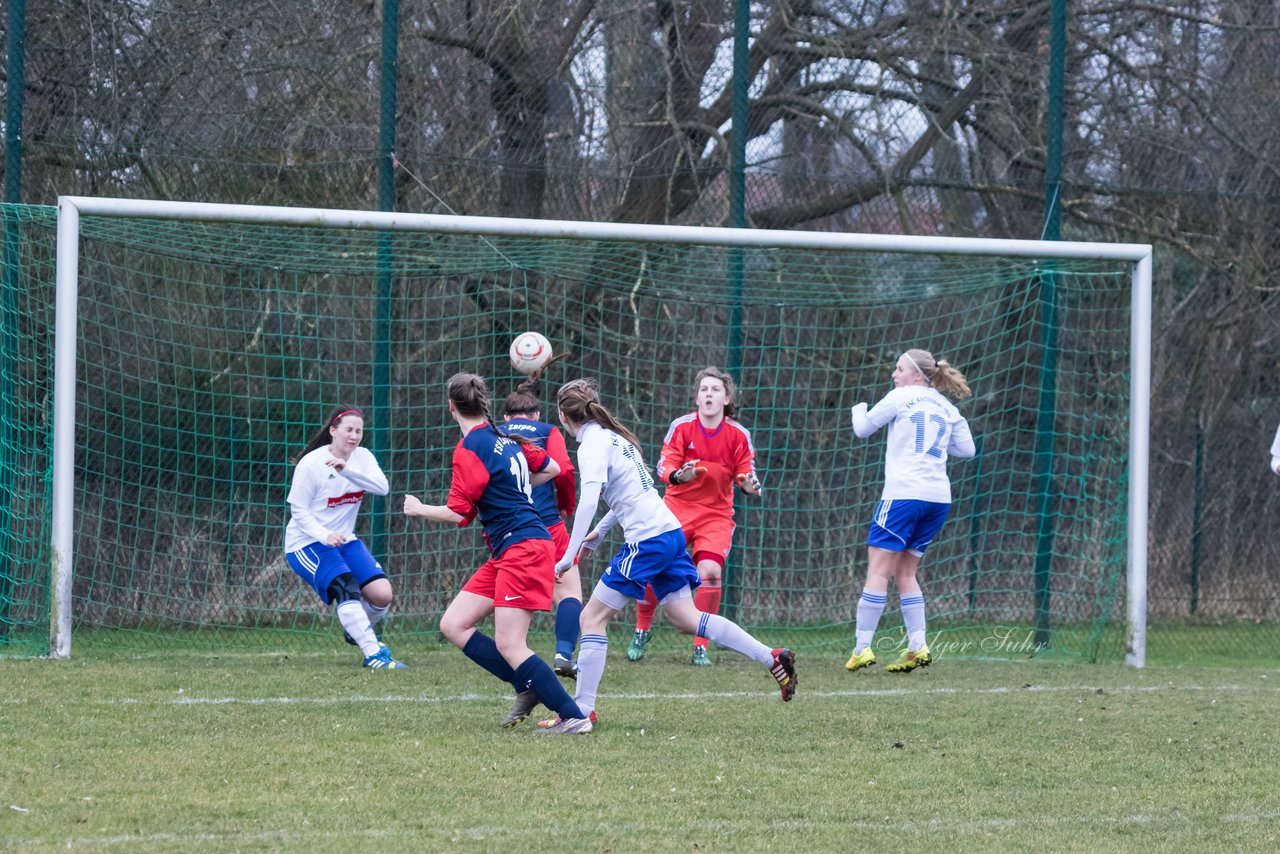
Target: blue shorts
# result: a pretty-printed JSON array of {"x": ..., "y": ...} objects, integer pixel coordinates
[
  {"x": 661, "y": 561},
  {"x": 319, "y": 565},
  {"x": 905, "y": 524}
]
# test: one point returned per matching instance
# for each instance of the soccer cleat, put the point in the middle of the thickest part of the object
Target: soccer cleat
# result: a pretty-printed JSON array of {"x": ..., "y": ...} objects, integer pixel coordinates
[
  {"x": 784, "y": 670},
  {"x": 566, "y": 668},
  {"x": 859, "y": 660},
  {"x": 700, "y": 657},
  {"x": 526, "y": 702},
  {"x": 635, "y": 652},
  {"x": 910, "y": 660},
  {"x": 382, "y": 660},
  {"x": 569, "y": 726},
  {"x": 550, "y": 722}
]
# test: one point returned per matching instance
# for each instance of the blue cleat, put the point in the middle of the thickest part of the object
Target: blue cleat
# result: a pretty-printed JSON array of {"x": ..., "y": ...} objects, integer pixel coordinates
[{"x": 382, "y": 660}]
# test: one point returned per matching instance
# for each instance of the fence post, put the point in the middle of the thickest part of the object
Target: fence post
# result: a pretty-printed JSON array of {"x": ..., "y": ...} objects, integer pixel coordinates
[
  {"x": 386, "y": 257},
  {"x": 1197, "y": 507},
  {"x": 737, "y": 219}
]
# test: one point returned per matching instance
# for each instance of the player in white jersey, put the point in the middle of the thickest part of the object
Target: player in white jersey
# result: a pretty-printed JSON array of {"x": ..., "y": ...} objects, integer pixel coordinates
[
  {"x": 329, "y": 482},
  {"x": 924, "y": 429},
  {"x": 610, "y": 466},
  {"x": 1275, "y": 452}
]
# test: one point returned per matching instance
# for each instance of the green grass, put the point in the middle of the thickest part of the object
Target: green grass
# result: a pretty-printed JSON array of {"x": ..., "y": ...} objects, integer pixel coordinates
[{"x": 266, "y": 751}]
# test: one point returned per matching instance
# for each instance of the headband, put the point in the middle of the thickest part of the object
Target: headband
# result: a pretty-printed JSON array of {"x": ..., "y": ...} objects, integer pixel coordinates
[
  {"x": 919, "y": 370},
  {"x": 347, "y": 412}
]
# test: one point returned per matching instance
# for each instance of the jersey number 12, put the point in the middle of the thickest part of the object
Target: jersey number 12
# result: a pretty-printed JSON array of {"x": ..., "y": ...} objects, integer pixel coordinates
[{"x": 918, "y": 419}]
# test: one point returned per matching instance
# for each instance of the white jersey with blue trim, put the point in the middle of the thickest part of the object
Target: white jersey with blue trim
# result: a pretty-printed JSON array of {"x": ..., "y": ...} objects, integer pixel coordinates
[
  {"x": 924, "y": 429},
  {"x": 606, "y": 458}
]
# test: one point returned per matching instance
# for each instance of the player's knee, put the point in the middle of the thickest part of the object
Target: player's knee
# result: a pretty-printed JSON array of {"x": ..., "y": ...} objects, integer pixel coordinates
[
  {"x": 378, "y": 593},
  {"x": 454, "y": 629},
  {"x": 685, "y": 623},
  {"x": 344, "y": 589},
  {"x": 512, "y": 648}
]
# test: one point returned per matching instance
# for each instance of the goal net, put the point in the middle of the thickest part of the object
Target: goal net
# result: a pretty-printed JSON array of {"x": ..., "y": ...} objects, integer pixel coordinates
[{"x": 206, "y": 343}]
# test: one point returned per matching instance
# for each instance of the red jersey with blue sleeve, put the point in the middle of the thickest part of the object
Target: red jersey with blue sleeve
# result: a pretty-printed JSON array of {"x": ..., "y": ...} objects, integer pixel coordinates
[
  {"x": 557, "y": 496},
  {"x": 491, "y": 479}
]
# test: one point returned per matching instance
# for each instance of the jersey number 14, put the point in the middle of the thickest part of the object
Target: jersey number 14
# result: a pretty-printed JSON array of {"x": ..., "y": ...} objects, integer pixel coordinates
[{"x": 520, "y": 471}]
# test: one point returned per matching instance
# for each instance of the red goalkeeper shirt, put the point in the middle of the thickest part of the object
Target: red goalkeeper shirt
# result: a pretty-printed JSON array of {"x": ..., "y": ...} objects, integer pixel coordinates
[{"x": 724, "y": 452}]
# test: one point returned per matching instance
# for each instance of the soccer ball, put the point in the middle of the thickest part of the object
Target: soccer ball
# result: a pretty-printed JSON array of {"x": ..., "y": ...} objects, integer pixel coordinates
[{"x": 530, "y": 352}]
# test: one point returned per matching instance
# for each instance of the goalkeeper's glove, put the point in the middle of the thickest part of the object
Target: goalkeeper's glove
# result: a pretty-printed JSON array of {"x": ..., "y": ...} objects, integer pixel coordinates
[
  {"x": 687, "y": 472},
  {"x": 750, "y": 484}
]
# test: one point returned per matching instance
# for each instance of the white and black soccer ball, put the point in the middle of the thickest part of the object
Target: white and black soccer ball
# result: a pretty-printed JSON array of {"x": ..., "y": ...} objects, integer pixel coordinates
[{"x": 530, "y": 352}]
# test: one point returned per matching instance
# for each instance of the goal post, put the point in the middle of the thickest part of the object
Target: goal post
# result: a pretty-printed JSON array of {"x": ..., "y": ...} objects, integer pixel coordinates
[{"x": 643, "y": 307}]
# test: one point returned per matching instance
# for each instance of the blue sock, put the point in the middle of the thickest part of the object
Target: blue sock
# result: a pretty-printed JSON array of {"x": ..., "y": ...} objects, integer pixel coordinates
[
  {"x": 567, "y": 614},
  {"x": 483, "y": 651},
  {"x": 536, "y": 675}
]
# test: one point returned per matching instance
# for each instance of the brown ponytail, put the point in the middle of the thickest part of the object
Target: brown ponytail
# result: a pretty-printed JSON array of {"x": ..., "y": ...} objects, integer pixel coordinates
[{"x": 579, "y": 400}]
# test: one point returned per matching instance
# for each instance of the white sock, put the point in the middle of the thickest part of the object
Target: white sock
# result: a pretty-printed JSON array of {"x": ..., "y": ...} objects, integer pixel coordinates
[
  {"x": 374, "y": 613},
  {"x": 913, "y": 617},
  {"x": 592, "y": 650},
  {"x": 353, "y": 618},
  {"x": 870, "y": 607},
  {"x": 730, "y": 635}
]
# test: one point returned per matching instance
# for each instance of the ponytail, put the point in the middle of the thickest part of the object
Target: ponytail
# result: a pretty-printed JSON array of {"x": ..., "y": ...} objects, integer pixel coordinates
[
  {"x": 579, "y": 400},
  {"x": 940, "y": 374}
]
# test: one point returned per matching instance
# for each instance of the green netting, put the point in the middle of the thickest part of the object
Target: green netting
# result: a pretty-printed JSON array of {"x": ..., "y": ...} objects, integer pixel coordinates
[
  {"x": 26, "y": 384},
  {"x": 208, "y": 353}
]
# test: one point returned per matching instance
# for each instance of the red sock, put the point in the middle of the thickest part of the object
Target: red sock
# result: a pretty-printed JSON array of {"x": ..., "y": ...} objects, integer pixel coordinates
[
  {"x": 645, "y": 609},
  {"x": 707, "y": 600}
]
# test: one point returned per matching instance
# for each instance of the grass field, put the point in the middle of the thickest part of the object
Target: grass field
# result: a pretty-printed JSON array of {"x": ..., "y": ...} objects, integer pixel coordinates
[{"x": 263, "y": 751}]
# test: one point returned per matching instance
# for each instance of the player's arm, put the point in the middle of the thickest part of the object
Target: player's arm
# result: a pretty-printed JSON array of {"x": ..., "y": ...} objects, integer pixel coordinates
[
  {"x": 312, "y": 528},
  {"x": 546, "y": 475},
  {"x": 672, "y": 465},
  {"x": 432, "y": 512},
  {"x": 866, "y": 422},
  {"x": 673, "y": 468},
  {"x": 961, "y": 443},
  {"x": 588, "y": 503},
  {"x": 565, "y": 483},
  {"x": 363, "y": 470},
  {"x": 470, "y": 478},
  {"x": 602, "y": 529},
  {"x": 745, "y": 466},
  {"x": 301, "y": 490}
]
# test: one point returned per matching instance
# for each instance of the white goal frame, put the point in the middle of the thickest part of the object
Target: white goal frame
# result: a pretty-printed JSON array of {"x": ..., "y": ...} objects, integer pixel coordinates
[{"x": 70, "y": 209}]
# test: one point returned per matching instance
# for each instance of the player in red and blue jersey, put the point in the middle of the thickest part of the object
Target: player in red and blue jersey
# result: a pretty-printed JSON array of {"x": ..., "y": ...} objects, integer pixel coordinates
[
  {"x": 493, "y": 478},
  {"x": 522, "y": 414}
]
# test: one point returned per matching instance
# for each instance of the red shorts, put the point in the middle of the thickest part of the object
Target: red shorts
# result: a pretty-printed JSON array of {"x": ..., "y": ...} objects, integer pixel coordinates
[
  {"x": 705, "y": 530},
  {"x": 522, "y": 577},
  {"x": 559, "y": 536}
]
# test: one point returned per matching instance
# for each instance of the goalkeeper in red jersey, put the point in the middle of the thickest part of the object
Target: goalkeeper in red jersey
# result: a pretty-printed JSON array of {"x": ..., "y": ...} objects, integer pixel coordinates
[{"x": 705, "y": 454}]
